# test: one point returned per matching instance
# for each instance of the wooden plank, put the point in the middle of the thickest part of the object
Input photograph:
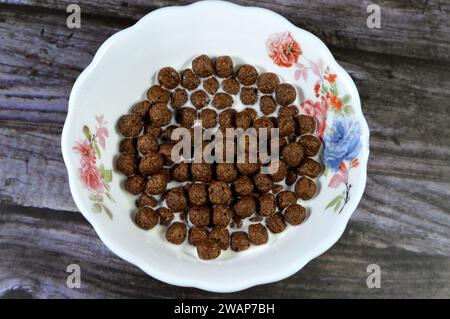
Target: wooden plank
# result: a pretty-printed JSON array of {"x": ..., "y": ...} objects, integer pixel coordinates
[
  {"x": 412, "y": 28},
  {"x": 37, "y": 268}
]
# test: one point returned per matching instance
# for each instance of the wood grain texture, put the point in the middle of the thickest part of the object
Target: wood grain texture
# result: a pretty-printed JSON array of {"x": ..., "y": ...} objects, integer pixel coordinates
[
  {"x": 30, "y": 269},
  {"x": 408, "y": 28},
  {"x": 402, "y": 222}
]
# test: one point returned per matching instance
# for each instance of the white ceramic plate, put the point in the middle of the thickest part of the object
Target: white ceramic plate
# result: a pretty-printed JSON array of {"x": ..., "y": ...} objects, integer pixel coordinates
[{"x": 125, "y": 66}]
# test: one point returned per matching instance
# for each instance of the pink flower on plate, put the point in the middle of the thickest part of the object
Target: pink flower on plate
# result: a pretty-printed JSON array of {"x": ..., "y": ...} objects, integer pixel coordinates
[
  {"x": 90, "y": 178},
  {"x": 283, "y": 49},
  {"x": 318, "y": 110},
  {"x": 87, "y": 152},
  {"x": 101, "y": 132},
  {"x": 341, "y": 177}
]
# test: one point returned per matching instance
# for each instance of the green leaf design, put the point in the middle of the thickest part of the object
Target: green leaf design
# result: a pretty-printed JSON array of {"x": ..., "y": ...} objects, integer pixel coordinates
[
  {"x": 110, "y": 197},
  {"x": 348, "y": 109},
  {"x": 96, "y": 198},
  {"x": 346, "y": 98},
  {"x": 97, "y": 208},
  {"x": 338, "y": 205},
  {"x": 108, "y": 176},
  {"x": 334, "y": 201},
  {"x": 87, "y": 132},
  {"x": 107, "y": 211},
  {"x": 97, "y": 149},
  {"x": 325, "y": 171},
  {"x": 333, "y": 89}
]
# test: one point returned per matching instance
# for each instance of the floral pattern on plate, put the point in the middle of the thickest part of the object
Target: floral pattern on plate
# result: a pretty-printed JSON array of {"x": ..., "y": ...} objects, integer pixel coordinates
[
  {"x": 93, "y": 177},
  {"x": 336, "y": 127}
]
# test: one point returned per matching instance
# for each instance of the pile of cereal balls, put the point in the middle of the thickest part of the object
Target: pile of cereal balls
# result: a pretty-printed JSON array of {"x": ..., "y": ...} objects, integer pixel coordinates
[{"x": 212, "y": 204}]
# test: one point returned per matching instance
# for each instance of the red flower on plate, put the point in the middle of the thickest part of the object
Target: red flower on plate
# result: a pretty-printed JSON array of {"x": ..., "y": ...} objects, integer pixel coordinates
[
  {"x": 318, "y": 110},
  {"x": 86, "y": 151},
  {"x": 90, "y": 178},
  {"x": 283, "y": 49}
]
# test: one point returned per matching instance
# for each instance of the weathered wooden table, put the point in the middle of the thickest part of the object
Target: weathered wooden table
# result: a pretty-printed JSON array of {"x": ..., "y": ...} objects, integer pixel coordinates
[{"x": 402, "y": 71}]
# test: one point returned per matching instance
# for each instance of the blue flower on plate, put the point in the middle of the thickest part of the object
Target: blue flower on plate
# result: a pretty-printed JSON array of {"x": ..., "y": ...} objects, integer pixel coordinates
[{"x": 341, "y": 142}]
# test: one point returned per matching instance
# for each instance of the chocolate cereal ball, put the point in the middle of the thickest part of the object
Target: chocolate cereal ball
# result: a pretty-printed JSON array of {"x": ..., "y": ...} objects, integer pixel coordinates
[
  {"x": 244, "y": 119},
  {"x": 221, "y": 236},
  {"x": 157, "y": 94},
  {"x": 221, "y": 215},
  {"x": 197, "y": 234},
  {"x": 305, "y": 188},
  {"x": 245, "y": 207},
  {"x": 165, "y": 150},
  {"x": 224, "y": 66},
  {"x": 199, "y": 215},
  {"x": 156, "y": 184},
  {"x": 226, "y": 172},
  {"x": 197, "y": 194},
  {"x": 285, "y": 94},
  {"x": 305, "y": 124},
  {"x": 130, "y": 125},
  {"x": 186, "y": 116},
  {"x": 286, "y": 198},
  {"x": 126, "y": 164},
  {"x": 178, "y": 98},
  {"x": 243, "y": 186},
  {"x": 290, "y": 110},
  {"x": 267, "y": 204},
  {"x": 267, "y": 104},
  {"x": 152, "y": 130},
  {"x": 128, "y": 145},
  {"x": 208, "y": 249},
  {"x": 208, "y": 118},
  {"x": 151, "y": 164},
  {"x": 176, "y": 200},
  {"x": 275, "y": 223},
  {"x": 160, "y": 114},
  {"x": 311, "y": 144},
  {"x": 230, "y": 86},
  {"x": 168, "y": 78},
  {"x": 141, "y": 109},
  {"x": 295, "y": 214},
  {"x": 249, "y": 95},
  {"x": 257, "y": 234},
  {"x": 281, "y": 173},
  {"x": 203, "y": 66},
  {"x": 227, "y": 118},
  {"x": 165, "y": 216},
  {"x": 176, "y": 233},
  {"x": 247, "y": 168},
  {"x": 222, "y": 101},
  {"x": 180, "y": 172},
  {"x": 286, "y": 125},
  {"x": 309, "y": 167},
  {"x": 201, "y": 172},
  {"x": 263, "y": 182},
  {"x": 267, "y": 82},
  {"x": 189, "y": 80},
  {"x": 247, "y": 74},
  {"x": 146, "y": 218},
  {"x": 147, "y": 143},
  {"x": 219, "y": 192},
  {"x": 291, "y": 177},
  {"x": 293, "y": 154},
  {"x": 134, "y": 184},
  {"x": 211, "y": 85},
  {"x": 239, "y": 241},
  {"x": 263, "y": 123},
  {"x": 146, "y": 200},
  {"x": 199, "y": 99},
  {"x": 277, "y": 188}
]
